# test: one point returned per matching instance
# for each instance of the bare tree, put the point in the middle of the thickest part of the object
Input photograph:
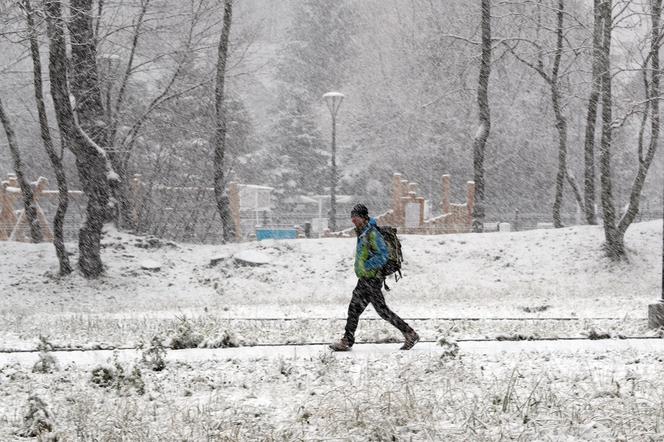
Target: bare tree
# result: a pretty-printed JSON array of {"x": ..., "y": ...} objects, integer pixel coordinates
[
  {"x": 614, "y": 245},
  {"x": 125, "y": 124},
  {"x": 651, "y": 80},
  {"x": 56, "y": 160},
  {"x": 482, "y": 135},
  {"x": 615, "y": 229},
  {"x": 26, "y": 190},
  {"x": 553, "y": 80},
  {"x": 591, "y": 119},
  {"x": 93, "y": 166},
  {"x": 219, "y": 139},
  {"x": 118, "y": 156}
]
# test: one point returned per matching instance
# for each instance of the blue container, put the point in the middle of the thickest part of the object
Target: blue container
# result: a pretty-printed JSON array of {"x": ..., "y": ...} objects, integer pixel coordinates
[{"x": 267, "y": 233}]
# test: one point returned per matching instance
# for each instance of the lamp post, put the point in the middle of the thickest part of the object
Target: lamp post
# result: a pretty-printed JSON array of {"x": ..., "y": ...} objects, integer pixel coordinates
[{"x": 333, "y": 101}]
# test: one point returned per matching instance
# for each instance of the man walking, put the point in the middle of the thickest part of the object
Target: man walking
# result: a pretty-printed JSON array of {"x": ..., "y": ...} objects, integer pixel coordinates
[{"x": 370, "y": 256}]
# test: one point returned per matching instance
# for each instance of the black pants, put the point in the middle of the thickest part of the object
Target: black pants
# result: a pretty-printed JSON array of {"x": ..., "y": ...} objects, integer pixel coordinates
[{"x": 368, "y": 291}]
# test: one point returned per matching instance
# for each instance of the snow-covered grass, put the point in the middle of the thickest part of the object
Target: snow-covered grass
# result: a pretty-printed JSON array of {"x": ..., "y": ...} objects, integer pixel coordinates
[
  {"x": 301, "y": 293},
  {"x": 398, "y": 396}
]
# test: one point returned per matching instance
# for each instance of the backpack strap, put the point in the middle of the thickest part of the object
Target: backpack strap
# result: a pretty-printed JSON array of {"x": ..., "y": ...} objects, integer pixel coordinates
[{"x": 396, "y": 279}]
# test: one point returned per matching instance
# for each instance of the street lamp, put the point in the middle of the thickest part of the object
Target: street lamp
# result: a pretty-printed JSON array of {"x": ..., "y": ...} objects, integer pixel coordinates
[{"x": 333, "y": 100}]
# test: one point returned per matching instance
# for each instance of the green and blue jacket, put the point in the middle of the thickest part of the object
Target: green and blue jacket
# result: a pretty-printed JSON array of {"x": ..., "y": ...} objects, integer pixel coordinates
[{"x": 370, "y": 253}]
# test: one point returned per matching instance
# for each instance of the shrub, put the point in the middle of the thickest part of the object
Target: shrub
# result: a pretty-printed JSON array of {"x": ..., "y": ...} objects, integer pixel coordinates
[
  {"x": 103, "y": 376},
  {"x": 226, "y": 340},
  {"x": 37, "y": 421},
  {"x": 154, "y": 355},
  {"x": 185, "y": 336},
  {"x": 115, "y": 378},
  {"x": 450, "y": 348},
  {"x": 46, "y": 363}
]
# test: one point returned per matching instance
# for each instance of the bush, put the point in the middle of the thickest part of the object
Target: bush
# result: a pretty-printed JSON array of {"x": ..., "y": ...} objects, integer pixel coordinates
[
  {"x": 154, "y": 355},
  {"x": 46, "y": 363},
  {"x": 115, "y": 378},
  {"x": 450, "y": 348},
  {"x": 37, "y": 421},
  {"x": 185, "y": 336},
  {"x": 103, "y": 376},
  {"x": 226, "y": 340}
]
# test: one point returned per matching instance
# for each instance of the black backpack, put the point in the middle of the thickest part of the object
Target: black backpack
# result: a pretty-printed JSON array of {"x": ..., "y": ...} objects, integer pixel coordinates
[{"x": 394, "y": 255}]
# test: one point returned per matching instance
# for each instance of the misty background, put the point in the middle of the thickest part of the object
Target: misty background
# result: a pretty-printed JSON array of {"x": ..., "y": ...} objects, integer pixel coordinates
[{"x": 408, "y": 69}]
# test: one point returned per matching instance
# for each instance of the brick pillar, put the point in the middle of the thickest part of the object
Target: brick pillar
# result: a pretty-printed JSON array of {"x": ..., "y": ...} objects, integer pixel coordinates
[
  {"x": 7, "y": 215},
  {"x": 470, "y": 201},
  {"x": 234, "y": 202},
  {"x": 420, "y": 200},
  {"x": 446, "y": 194},
  {"x": 397, "y": 205},
  {"x": 404, "y": 194}
]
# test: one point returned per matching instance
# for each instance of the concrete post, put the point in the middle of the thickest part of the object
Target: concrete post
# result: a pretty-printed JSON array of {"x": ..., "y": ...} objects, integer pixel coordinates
[{"x": 656, "y": 315}]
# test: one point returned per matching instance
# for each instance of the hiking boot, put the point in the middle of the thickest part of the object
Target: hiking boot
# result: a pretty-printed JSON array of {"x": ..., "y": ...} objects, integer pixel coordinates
[
  {"x": 411, "y": 339},
  {"x": 341, "y": 345}
]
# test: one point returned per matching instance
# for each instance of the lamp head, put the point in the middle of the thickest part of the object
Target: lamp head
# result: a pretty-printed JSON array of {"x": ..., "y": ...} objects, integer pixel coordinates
[{"x": 333, "y": 101}]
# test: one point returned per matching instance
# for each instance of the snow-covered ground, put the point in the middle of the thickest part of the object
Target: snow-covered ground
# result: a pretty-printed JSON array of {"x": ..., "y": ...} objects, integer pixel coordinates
[
  {"x": 535, "y": 274},
  {"x": 514, "y": 286},
  {"x": 485, "y": 275}
]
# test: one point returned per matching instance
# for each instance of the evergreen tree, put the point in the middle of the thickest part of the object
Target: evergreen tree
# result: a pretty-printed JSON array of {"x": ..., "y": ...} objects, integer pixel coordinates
[{"x": 313, "y": 62}]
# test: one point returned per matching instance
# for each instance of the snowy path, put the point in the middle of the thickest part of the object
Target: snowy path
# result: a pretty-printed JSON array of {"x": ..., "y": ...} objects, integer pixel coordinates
[{"x": 95, "y": 357}]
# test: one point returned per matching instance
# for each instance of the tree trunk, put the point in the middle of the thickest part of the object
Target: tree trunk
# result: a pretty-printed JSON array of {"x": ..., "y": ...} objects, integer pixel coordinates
[
  {"x": 482, "y": 135},
  {"x": 561, "y": 123},
  {"x": 591, "y": 120},
  {"x": 653, "y": 96},
  {"x": 86, "y": 89},
  {"x": 56, "y": 161},
  {"x": 575, "y": 190},
  {"x": 614, "y": 244},
  {"x": 93, "y": 168},
  {"x": 84, "y": 77},
  {"x": 219, "y": 138},
  {"x": 561, "y": 127},
  {"x": 26, "y": 190}
]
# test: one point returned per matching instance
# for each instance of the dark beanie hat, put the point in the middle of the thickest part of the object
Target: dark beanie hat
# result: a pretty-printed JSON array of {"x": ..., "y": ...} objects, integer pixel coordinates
[{"x": 360, "y": 210}]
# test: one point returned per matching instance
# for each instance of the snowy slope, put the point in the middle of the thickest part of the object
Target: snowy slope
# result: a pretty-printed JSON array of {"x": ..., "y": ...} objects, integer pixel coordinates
[{"x": 488, "y": 275}]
